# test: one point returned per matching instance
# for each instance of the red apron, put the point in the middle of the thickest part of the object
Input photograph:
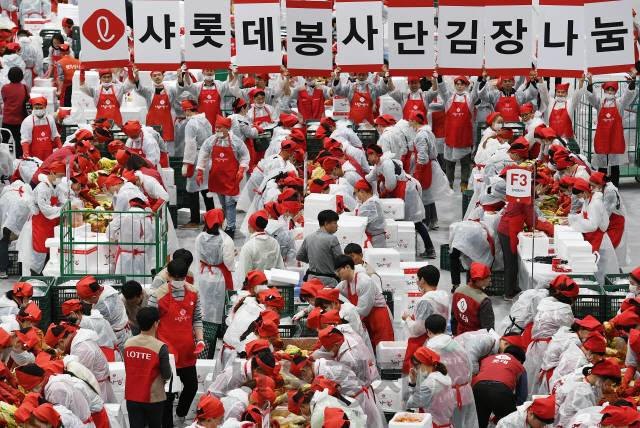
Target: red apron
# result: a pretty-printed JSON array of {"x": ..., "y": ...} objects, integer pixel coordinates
[
  {"x": 43, "y": 228},
  {"x": 361, "y": 107},
  {"x": 560, "y": 121},
  {"x": 257, "y": 156},
  {"x": 101, "y": 419},
  {"x": 41, "y": 145},
  {"x": 311, "y": 106},
  {"x": 425, "y": 177},
  {"x": 228, "y": 279},
  {"x": 413, "y": 344},
  {"x": 508, "y": 108},
  {"x": 399, "y": 191},
  {"x": 615, "y": 229},
  {"x": 160, "y": 114},
  {"x": 594, "y": 238},
  {"x": 378, "y": 323},
  {"x": 209, "y": 104},
  {"x": 459, "y": 133},
  {"x": 609, "y": 137},
  {"x": 176, "y": 326},
  {"x": 108, "y": 106},
  {"x": 14, "y": 17},
  {"x": 139, "y": 151},
  {"x": 224, "y": 169},
  {"x": 414, "y": 105},
  {"x": 109, "y": 353}
]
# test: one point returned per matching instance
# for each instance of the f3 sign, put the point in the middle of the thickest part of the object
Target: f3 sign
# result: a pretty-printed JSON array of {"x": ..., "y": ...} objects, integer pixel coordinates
[
  {"x": 519, "y": 185},
  {"x": 104, "y": 43}
]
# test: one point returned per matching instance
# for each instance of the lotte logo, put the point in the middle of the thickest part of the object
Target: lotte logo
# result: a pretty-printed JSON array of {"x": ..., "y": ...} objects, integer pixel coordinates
[{"x": 103, "y": 29}]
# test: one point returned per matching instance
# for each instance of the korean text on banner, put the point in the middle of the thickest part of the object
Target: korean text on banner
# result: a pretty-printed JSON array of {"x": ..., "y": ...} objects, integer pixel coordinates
[
  {"x": 102, "y": 34},
  {"x": 519, "y": 185},
  {"x": 561, "y": 38},
  {"x": 309, "y": 38},
  {"x": 508, "y": 36},
  {"x": 360, "y": 42},
  {"x": 609, "y": 30},
  {"x": 411, "y": 41},
  {"x": 207, "y": 34},
  {"x": 460, "y": 37},
  {"x": 258, "y": 36},
  {"x": 157, "y": 35}
]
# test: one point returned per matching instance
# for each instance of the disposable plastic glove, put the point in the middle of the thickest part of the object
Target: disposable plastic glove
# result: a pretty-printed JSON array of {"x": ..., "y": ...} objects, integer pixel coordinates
[
  {"x": 199, "y": 347},
  {"x": 299, "y": 315}
]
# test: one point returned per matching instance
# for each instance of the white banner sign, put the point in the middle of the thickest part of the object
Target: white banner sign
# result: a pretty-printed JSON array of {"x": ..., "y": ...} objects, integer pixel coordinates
[
  {"x": 561, "y": 38},
  {"x": 460, "y": 37},
  {"x": 609, "y": 30},
  {"x": 309, "y": 38},
  {"x": 258, "y": 46},
  {"x": 508, "y": 27},
  {"x": 157, "y": 34},
  {"x": 411, "y": 31},
  {"x": 207, "y": 34},
  {"x": 519, "y": 185},
  {"x": 102, "y": 34},
  {"x": 360, "y": 43}
]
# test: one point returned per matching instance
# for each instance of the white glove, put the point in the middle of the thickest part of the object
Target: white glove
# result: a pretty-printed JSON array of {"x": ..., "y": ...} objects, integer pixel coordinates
[
  {"x": 299, "y": 315},
  {"x": 184, "y": 170}
]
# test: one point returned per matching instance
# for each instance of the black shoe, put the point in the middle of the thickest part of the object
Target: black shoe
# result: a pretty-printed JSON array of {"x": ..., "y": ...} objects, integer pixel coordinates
[
  {"x": 429, "y": 254},
  {"x": 231, "y": 233}
]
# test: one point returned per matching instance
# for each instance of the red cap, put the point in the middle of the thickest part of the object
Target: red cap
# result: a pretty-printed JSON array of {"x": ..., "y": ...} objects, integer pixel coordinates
[
  {"x": 330, "y": 317},
  {"x": 418, "y": 116},
  {"x": 548, "y": 133},
  {"x": 254, "y": 218},
  {"x": 636, "y": 273},
  {"x": 608, "y": 367},
  {"x": 112, "y": 180},
  {"x": 29, "y": 339},
  {"x": 464, "y": 79},
  {"x": 581, "y": 184},
  {"x": 269, "y": 371},
  {"x": 491, "y": 117},
  {"x": 618, "y": 416},
  {"x": 288, "y": 146},
  {"x": 363, "y": 185},
  {"x": 27, "y": 381},
  {"x": 252, "y": 414},
  {"x": 30, "y": 313},
  {"x": 46, "y": 412},
  {"x": 613, "y": 85},
  {"x": 590, "y": 323},
  {"x": 131, "y": 128},
  {"x": 104, "y": 71},
  {"x": 22, "y": 289},
  {"x": 115, "y": 146},
  {"x": 5, "y": 338},
  {"x": 426, "y": 356},
  {"x": 269, "y": 315},
  {"x": 479, "y": 271},
  {"x": 263, "y": 394},
  {"x": 209, "y": 408},
  {"x": 505, "y": 133},
  {"x": 255, "y": 346},
  {"x": 67, "y": 22},
  {"x": 374, "y": 149},
  {"x": 563, "y": 161},
  {"x": 272, "y": 209},
  {"x": 516, "y": 340},
  {"x": 543, "y": 178},
  {"x": 255, "y": 278},
  {"x": 329, "y": 294},
  {"x": 544, "y": 408},
  {"x": 599, "y": 177},
  {"x": 103, "y": 135},
  {"x": 64, "y": 48},
  {"x": 225, "y": 122},
  {"x": 189, "y": 104},
  {"x": 574, "y": 290},
  {"x": 298, "y": 363},
  {"x": 562, "y": 87},
  {"x": 385, "y": 120},
  {"x": 38, "y": 100},
  {"x": 214, "y": 216},
  {"x": 313, "y": 319},
  {"x": 263, "y": 76},
  {"x": 329, "y": 121},
  {"x": 13, "y": 47},
  {"x": 130, "y": 176},
  {"x": 595, "y": 342},
  {"x": 330, "y": 163},
  {"x": 311, "y": 287},
  {"x": 272, "y": 297},
  {"x": 71, "y": 305},
  {"x": 525, "y": 108},
  {"x": 63, "y": 112},
  {"x": 319, "y": 184},
  {"x": 51, "y": 339},
  {"x": 330, "y": 336},
  {"x": 249, "y": 82},
  {"x": 23, "y": 413},
  {"x": 319, "y": 384},
  {"x": 628, "y": 318},
  {"x": 288, "y": 120},
  {"x": 88, "y": 287},
  {"x": 122, "y": 156},
  {"x": 295, "y": 399},
  {"x": 634, "y": 340},
  {"x": 292, "y": 206},
  {"x": 413, "y": 79}
]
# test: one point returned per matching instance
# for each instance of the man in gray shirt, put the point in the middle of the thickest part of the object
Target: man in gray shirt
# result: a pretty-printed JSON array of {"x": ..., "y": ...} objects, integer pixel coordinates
[{"x": 321, "y": 249}]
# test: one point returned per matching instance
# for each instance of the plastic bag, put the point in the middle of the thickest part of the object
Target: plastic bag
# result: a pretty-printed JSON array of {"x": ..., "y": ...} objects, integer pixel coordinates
[
  {"x": 25, "y": 247},
  {"x": 439, "y": 188}
]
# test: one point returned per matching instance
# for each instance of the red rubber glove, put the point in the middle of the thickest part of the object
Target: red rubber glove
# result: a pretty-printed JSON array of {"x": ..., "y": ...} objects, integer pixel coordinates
[
  {"x": 200, "y": 177},
  {"x": 82, "y": 74},
  {"x": 89, "y": 198},
  {"x": 633, "y": 391},
  {"x": 191, "y": 169},
  {"x": 199, "y": 347},
  {"x": 156, "y": 206},
  {"x": 628, "y": 377},
  {"x": 545, "y": 226},
  {"x": 58, "y": 142},
  {"x": 259, "y": 129},
  {"x": 92, "y": 185},
  {"x": 25, "y": 150},
  {"x": 384, "y": 194},
  {"x": 240, "y": 174},
  {"x": 130, "y": 72}
]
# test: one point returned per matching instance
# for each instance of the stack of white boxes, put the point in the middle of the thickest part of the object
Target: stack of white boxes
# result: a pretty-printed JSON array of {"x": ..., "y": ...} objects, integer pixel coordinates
[
  {"x": 118, "y": 382},
  {"x": 204, "y": 368},
  {"x": 406, "y": 241},
  {"x": 389, "y": 395},
  {"x": 316, "y": 202},
  {"x": 170, "y": 184},
  {"x": 392, "y": 208}
]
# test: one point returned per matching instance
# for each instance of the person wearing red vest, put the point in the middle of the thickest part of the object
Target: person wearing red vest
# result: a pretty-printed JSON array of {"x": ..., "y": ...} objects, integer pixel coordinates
[
  {"x": 362, "y": 292},
  {"x": 180, "y": 319},
  {"x": 515, "y": 216},
  {"x": 147, "y": 368},
  {"x": 415, "y": 99},
  {"x": 160, "y": 100},
  {"x": 559, "y": 111},
  {"x": 471, "y": 309},
  {"x": 506, "y": 100},
  {"x": 67, "y": 66},
  {"x": 39, "y": 135},
  {"x": 110, "y": 95},
  {"x": 310, "y": 98},
  {"x": 500, "y": 384},
  {"x": 609, "y": 143}
]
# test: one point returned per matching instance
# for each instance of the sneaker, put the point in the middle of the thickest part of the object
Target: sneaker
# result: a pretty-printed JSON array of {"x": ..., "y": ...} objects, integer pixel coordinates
[
  {"x": 463, "y": 187},
  {"x": 507, "y": 297},
  {"x": 433, "y": 225},
  {"x": 429, "y": 254},
  {"x": 3, "y": 275},
  {"x": 179, "y": 421},
  {"x": 231, "y": 233},
  {"x": 189, "y": 226},
  {"x": 454, "y": 288}
]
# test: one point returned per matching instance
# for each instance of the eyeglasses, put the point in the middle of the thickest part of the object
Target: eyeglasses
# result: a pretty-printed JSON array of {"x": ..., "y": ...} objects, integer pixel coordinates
[{"x": 338, "y": 270}]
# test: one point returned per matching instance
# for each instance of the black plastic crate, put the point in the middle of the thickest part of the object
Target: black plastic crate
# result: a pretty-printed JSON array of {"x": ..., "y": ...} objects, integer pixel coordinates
[
  {"x": 286, "y": 291},
  {"x": 613, "y": 302},
  {"x": 445, "y": 264},
  {"x": 15, "y": 267},
  {"x": 496, "y": 286},
  {"x": 302, "y": 322},
  {"x": 210, "y": 331},
  {"x": 591, "y": 304},
  {"x": 388, "y": 297},
  {"x": 390, "y": 374},
  {"x": 63, "y": 293},
  {"x": 388, "y": 416},
  {"x": 466, "y": 198},
  {"x": 287, "y": 331},
  {"x": 45, "y": 303},
  {"x": 173, "y": 210}
]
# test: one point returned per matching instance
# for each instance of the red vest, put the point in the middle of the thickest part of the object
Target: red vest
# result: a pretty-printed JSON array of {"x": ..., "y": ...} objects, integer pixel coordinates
[
  {"x": 142, "y": 368},
  {"x": 466, "y": 310},
  {"x": 503, "y": 368},
  {"x": 311, "y": 106}
]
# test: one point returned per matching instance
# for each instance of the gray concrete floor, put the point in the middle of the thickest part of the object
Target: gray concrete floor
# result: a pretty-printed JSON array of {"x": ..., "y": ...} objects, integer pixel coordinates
[{"x": 450, "y": 211}]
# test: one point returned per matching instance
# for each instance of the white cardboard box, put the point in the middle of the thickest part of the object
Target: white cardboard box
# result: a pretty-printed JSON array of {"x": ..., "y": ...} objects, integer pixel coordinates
[
  {"x": 392, "y": 208},
  {"x": 407, "y": 256},
  {"x": 392, "y": 280},
  {"x": 409, "y": 301},
  {"x": 411, "y": 274},
  {"x": 285, "y": 276},
  {"x": 351, "y": 230},
  {"x": 203, "y": 369},
  {"x": 391, "y": 233},
  {"x": 397, "y": 309},
  {"x": 427, "y": 421},
  {"x": 527, "y": 245},
  {"x": 117, "y": 376},
  {"x": 389, "y": 395},
  {"x": 173, "y": 194},
  {"x": 406, "y": 236},
  {"x": 390, "y": 355},
  {"x": 167, "y": 177},
  {"x": 316, "y": 202},
  {"x": 382, "y": 258},
  {"x": 310, "y": 226}
]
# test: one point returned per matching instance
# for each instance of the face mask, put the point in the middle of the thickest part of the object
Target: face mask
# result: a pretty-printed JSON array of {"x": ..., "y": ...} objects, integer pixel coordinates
[
  {"x": 581, "y": 200},
  {"x": 609, "y": 96},
  {"x": 311, "y": 82},
  {"x": 220, "y": 134},
  {"x": 39, "y": 113},
  {"x": 178, "y": 284},
  {"x": 259, "y": 105},
  {"x": 460, "y": 92},
  {"x": 633, "y": 289},
  {"x": 209, "y": 78},
  {"x": 497, "y": 126},
  {"x": 260, "y": 288},
  {"x": 597, "y": 389},
  {"x": 106, "y": 85},
  {"x": 159, "y": 84},
  {"x": 57, "y": 181},
  {"x": 23, "y": 358},
  {"x": 37, "y": 389},
  {"x": 561, "y": 99}
]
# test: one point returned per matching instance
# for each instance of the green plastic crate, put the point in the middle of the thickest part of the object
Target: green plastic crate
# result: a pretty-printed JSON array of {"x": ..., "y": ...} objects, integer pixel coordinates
[
  {"x": 63, "y": 293},
  {"x": 496, "y": 286},
  {"x": 302, "y": 323},
  {"x": 287, "y": 331},
  {"x": 610, "y": 279},
  {"x": 573, "y": 145},
  {"x": 15, "y": 267},
  {"x": 589, "y": 277},
  {"x": 45, "y": 303},
  {"x": 47, "y": 35},
  {"x": 594, "y": 305},
  {"x": 210, "y": 331},
  {"x": 388, "y": 297},
  {"x": 613, "y": 302},
  {"x": 173, "y": 210},
  {"x": 287, "y": 292},
  {"x": 367, "y": 136},
  {"x": 466, "y": 198},
  {"x": 388, "y": 416},
  {"x": 445, "y": 263}
]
